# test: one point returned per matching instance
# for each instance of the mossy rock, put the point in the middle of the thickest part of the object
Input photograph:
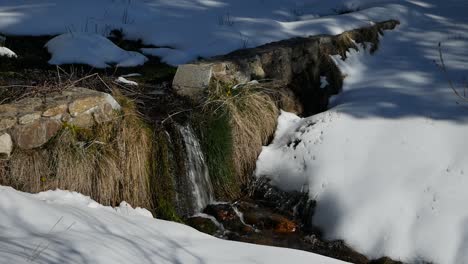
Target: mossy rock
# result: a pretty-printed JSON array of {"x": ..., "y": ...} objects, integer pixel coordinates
[{"x": 203, "y": 224}]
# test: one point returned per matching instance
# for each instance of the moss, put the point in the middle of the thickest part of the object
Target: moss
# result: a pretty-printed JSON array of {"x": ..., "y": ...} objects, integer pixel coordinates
[
  {"x": 161, "y": 180},
  {"x": 216, "y": 139}
]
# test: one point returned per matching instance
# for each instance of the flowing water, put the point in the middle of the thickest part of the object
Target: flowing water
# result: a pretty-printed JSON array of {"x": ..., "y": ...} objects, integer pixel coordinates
[{"x": 197, "y": 170}]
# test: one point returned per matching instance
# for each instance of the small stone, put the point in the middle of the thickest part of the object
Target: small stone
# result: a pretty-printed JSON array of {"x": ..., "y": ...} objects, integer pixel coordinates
[
  {"x": 192, "y": 79},
  {"x": 256, "y": 69},
  {"x": 56, "y": 110},
  {"x": 83, "y": 121},
  {"x": 28, "y": 118},
  {"x": 35, "y": 134},
  {"x": 7, "y": 122},
  {"x": 6, "y": 146}
]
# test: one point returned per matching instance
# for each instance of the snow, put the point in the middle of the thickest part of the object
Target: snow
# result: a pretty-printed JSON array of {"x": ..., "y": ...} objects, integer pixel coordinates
[
  {"x": 67, "y": 227},
  {"x": 91, "y": 49},
  {"x": 6, "y": 52},
  {"x": 123, "y": 80},
  {"x": 387, "y": 163},
  {"x": 188, "y": 29}
]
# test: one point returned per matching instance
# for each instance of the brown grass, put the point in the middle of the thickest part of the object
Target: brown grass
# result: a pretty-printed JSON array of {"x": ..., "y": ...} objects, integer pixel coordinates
[
  {"x": 253, "y": 111},
  {"x": 110, "y": 162}
]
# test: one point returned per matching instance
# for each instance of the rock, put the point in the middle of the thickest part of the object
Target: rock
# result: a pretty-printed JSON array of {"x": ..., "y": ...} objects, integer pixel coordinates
[
  {"x": 66, "y": 117},
  {"x": 6, "y": 146},
  {"x": 84, "y": 120},
  {"x": 192, "y": 79},
  {"x": 267, "y": 220},
  {"x": 8, "y": 110},
  {"x": 87, "y": 104},
  {"x": 28, "y": 118},
  {"x": 203, "y": 224},
  {"x": 90, "y": 101},
  {"x": 29, "y": 105},
  {"x": 222, "y": 212},
  {"x": 103, "y": 114},
  {"x": 283, "y": 225},
  {"x": 56, "y": 110},
  {"x": 226, "y": 215},
  {"x": 7, "y": 122},
  {"x": 35, "y": 134}
]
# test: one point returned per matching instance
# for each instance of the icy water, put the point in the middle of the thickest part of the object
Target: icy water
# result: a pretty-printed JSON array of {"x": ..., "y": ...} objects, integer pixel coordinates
[{"x": 197, "y": 171}]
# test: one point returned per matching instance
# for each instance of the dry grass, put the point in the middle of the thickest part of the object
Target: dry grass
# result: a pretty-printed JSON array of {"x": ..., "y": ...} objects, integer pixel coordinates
[
  {"x": 369, "y": 37},
  {"x": 253, "y": 111},
  {"x": 109, "y": 162}
]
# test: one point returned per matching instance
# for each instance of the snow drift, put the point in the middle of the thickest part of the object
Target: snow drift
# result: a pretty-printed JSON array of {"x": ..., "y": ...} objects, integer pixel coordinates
[{"x": 65, "y": 227}]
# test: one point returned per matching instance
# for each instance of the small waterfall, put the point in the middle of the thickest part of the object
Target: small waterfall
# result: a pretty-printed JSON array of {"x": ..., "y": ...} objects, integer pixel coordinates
[{"x": 197, "y": 171}]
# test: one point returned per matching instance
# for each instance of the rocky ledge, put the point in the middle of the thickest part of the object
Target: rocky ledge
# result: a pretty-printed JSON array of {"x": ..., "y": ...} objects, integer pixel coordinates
[{"x": 31, "y": 122}]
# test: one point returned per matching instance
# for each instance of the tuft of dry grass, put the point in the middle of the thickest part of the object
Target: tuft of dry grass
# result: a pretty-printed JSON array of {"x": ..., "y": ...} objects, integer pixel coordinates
[{"x": 253, "y": 111}]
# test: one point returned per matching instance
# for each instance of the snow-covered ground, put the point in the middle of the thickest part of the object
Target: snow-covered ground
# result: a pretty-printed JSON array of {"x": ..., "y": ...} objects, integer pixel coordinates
[
  {"x": 191, "y": 28},
  {"x": 4, "y": 51},
  {"x": 91, "y": 49},
  {"x": 66, "y": 227},
  {"x": 388, "y": 162}
]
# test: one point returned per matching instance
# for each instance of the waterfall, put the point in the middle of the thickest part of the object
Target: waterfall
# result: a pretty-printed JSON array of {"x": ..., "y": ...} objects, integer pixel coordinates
[{"x": 197, "y": 171}]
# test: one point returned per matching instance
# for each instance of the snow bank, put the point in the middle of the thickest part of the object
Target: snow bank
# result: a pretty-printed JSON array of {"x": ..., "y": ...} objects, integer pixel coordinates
[
  {"x": 66, "y": 227},
  {"x": 6, "y": 52},
  {"x": 91, "y": 49},
  {"x": 388, "y": 163},
  {"x": 192, "y": 28}
]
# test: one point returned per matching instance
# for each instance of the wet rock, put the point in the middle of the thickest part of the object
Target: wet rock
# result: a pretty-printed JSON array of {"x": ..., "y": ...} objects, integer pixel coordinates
[
  {"x": 203, "y": 224},
  {"x": 295, "y": 205},
  {"x": 226, "y": 215},
  {"x": 6, "y": 146},
  {"x": 35, "y": 134},
  {"x": 262, "y": 218}
]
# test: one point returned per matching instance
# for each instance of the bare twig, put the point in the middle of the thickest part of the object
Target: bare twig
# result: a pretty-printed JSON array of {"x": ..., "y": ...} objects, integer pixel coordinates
[{"x": 445, "y": 71}]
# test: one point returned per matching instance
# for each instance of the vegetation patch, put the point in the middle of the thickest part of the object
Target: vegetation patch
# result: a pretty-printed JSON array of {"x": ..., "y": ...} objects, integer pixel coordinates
[
  {"x": 233, "y": 126},
  {"x": 108, "y": 162}
]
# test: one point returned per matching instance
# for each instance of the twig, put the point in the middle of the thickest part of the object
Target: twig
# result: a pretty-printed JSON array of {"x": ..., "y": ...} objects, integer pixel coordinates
[
  {"x": 444, "y": 70},
  {"x": 174, "y": 114}
]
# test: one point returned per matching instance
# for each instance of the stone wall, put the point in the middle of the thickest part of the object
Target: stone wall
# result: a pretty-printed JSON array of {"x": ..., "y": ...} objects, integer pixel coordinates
[
  {"x": 299, "y": 63},
  {"x": 31, "y": 122}
]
